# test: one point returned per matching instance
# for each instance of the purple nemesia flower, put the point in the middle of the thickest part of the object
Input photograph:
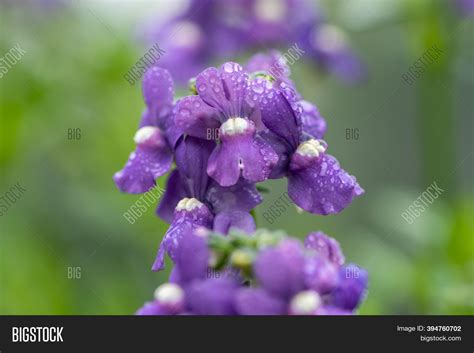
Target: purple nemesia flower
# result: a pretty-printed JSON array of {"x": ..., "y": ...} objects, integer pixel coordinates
[
  {"x": 312, "y": 283},
  {"x": 327, "y": 45},
  {"x": 267, "y": 22},
  {"x": 325, "y": 246},
  {"x": 169, "y": 300},
  {"x": 256, "y": 301},
  {"x": 351, "y": 288},
  {"x": 316, "y": 182},
  {"x": 184, "y": 43},
  {"x": 214, "y": 296},
  {"x": 212, "y": 29},
  {"x": 465, "y": 7},
  {"x": 223, "y": 105},
  {"x": 154, "y": 138},
  {"x": 192, "y": 199},
  {"x": 287, "y": 279},
  {"x": 312, "y": 122}
]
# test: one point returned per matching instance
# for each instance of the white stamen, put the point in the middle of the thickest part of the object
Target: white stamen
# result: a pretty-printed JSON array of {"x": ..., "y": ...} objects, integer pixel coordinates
[
  {"x": 169, "y": 293},
  {"x": 188, "y": 204},
  {"x": 305, "y": 303},
  {"x": 311, "y": 148},
  {"x": 145, "y": 134},
  {"x": 270, "y": 10},
  {"x": 234, "y": 126}
]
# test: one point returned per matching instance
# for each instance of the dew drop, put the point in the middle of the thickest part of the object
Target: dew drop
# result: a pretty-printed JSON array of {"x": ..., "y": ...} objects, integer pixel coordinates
[
  {"x": 228, "y": 67},
  {"x": 257, "y": 89}
]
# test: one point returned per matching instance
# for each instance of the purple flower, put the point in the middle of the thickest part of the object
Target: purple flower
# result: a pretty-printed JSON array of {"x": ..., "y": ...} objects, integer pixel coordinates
[
  {"x": 284, "y": 277},
  {"x": 222, "y": 108},
  {"x": 192, "y": 199},
  {"x": 169, "y": 300},
  {"x": 465, "y": 7},
  {"x": 312, "y": 122},
  {"x": 256, "y": 301},
  {"x": 214, "y": 296},
  {"x": 154, "y": 138},
  {"x": 351, "y": 288},
  {"x": 296, "y": 282},
  {"x": 328, "y": 46},
  {"x": 209, "y": 30},
  {"x": 316, "y": 182},
  {"x": 280, "y": 270},
  {"x": 325, "y": 246}
]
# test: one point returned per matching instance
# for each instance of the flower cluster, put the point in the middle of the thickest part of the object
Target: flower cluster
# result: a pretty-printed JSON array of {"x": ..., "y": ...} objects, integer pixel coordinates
[
  {"x": 263, "y": 274},
  {"x": 211, "y": 28},
  {"x": 239, "y": 127}
]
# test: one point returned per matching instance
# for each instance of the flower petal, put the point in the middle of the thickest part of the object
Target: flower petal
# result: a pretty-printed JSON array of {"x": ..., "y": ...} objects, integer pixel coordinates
[
  {"x": 325, "y": 246},
  {"x": 245, "y": 153},
  {"x": 175, "y": 191},
  {"x": 192, "y": 155},
  {"x": 272, "y": 63},
  {"x": 185, "y": 220},
  {"x": 213, "y": 296},
  {"x": 142, "y": 168},
  {"x": 158, "y": 91},
  {"x": 243, "y": 221},
  {"x": 351, "y": 289},
  {"x": 281, "y": 112},
  {"x": 256, "y": 301},
  {"x": 332, "y": 310},
  {"x": 243, "y": 196},
  {"x": 312, "y": 121},
  {"x": 192, "y": 258},
  {"x": 323, "y": 187},
  {"x": 224, "y": 89},
  {"x": 280, "y": 270},
  {"x": 197, "y": 118},
  {"x": 151, "y": 308}
]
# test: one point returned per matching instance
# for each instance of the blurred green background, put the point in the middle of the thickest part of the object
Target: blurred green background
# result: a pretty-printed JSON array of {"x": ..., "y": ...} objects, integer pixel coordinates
[{"x": 71, "y": 214}]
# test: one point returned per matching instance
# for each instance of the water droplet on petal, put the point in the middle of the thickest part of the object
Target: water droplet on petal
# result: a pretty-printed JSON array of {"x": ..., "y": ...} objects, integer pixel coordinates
[{"x": 229, "y": 67}]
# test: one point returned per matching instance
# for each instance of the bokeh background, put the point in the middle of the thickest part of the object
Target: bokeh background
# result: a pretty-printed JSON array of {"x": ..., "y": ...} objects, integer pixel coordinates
[{"x": 71, "y": 214}]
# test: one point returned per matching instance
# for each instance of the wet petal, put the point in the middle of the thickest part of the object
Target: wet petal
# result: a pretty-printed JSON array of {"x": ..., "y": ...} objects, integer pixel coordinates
[
  {"x": 189, "y": 215},
  {"x": 242, "y": 153},
  {"x": 240, "y": 220},
  {"x": 280, "y": 111},
  {"x": 158, "y": 91},
  {"x": 197, "y": 118},
  {"x": 192, "y": 155},
  {"x": 312, "y": 121},
  {"x": 280, "y": 270},
  {"x": 142, "y": 168},
  {"x": 272, "y": 63},
  {"x": 321, "y": 275},
  {"x": 214, "y": 296},
  {"x": 351, "y": 289},
  {"x": 192, "y": 258},
  {"x": 325, "y": 246},
  {"x": 224, "y": 89},
  {"x": 256, "y": 301},
  {"x": 321, "y": 186},
  {"x": 243, "y": 196},
  {"x": 284, "y": 151}
]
